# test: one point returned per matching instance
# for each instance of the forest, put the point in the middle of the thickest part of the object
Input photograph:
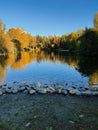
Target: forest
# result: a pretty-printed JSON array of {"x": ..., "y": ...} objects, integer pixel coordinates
[{"x": 83, "y": 41}]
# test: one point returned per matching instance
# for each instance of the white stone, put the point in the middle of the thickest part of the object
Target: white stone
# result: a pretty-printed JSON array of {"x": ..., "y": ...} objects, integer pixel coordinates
[
  {"x": 38, "y": 85},
  {"x": 21, "y": 88},
  {"x": 50, "y": 89},
  {"x": 28, "y": 124},
  {"x": 77, "y": 92},
  {"x": 72, "y": 122},
  {"x": 59, "y": 90},
  {"x": 14, "y": 91},
  {"x": 32, "y": 91},
  {"x": 74, "y": 91},
  {"x": 64, "y": 92},
  {"x": 42, "y": 90},
  {"x": 81, "y": 116}
]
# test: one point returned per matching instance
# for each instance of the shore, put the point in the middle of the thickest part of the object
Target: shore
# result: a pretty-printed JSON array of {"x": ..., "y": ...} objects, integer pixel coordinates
[{"x": 48, "y": 112}]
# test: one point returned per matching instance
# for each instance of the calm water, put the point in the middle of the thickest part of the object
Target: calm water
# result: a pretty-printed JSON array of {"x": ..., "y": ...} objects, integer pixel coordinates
[{"x": 48, "y": 68}]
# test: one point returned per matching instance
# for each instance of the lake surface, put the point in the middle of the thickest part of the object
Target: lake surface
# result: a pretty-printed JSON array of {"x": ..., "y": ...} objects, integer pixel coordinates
[{"x": 49, "y": 67}]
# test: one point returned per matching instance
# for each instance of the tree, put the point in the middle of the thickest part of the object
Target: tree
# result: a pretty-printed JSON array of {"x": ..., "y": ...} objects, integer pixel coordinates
[
  {"x": 2, "y": 27},
  {"x": 20, "y": 35},
  {"x": 89, "y": 41},
  {"x": 5, "y": 45},
  {"x": 96, "y": 20}
]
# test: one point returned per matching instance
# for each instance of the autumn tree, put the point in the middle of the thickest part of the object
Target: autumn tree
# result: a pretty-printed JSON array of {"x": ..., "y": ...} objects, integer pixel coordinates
[
  {"x": 18, "y": 34},
  {"x": 5, "y": 45},
  {"x": 96, "y": 20}
]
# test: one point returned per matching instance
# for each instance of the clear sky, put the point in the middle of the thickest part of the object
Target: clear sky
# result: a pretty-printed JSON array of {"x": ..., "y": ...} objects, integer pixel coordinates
[{"x": 48, "y": 17}]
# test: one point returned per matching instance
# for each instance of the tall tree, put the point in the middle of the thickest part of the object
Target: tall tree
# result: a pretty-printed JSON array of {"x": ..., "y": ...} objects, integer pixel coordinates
[
  {"x": 2, "y": 26},
  {"x": 96, "y": 20}
]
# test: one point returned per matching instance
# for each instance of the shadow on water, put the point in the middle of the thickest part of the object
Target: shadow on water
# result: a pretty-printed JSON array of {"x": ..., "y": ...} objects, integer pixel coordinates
[{"x": 88, "y": 65}]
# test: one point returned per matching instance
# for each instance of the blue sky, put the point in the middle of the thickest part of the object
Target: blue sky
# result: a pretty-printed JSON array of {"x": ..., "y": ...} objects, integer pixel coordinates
[{"x": 48, "y": 17}]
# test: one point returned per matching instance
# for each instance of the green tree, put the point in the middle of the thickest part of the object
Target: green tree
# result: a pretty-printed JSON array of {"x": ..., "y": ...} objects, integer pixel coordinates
[{"x": 89, "y": 41}]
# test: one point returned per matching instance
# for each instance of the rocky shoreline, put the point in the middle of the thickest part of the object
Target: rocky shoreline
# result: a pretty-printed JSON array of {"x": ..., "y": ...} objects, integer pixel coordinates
[{"x": 39, "y": 88}]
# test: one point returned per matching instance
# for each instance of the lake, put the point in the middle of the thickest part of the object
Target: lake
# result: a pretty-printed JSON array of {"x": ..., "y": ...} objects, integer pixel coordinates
[{"x": 49, "y": 67}]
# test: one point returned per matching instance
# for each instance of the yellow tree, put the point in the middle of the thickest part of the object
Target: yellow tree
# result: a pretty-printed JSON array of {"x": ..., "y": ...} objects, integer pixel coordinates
[
  {"x": 18, "y": 34},
  {"x": 5, "y": 44},
  {"x": 96, "y": 20}
]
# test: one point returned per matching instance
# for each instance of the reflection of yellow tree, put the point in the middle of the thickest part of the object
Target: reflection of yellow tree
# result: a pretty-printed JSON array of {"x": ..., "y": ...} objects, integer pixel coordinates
[
  {"x": 10, "y": 60},
  {"x": 3, "y": 72},
  {"x": 24, "y": 60},
  {"x": 93, "y": 78},
  {"x": 72, "y": 61}
]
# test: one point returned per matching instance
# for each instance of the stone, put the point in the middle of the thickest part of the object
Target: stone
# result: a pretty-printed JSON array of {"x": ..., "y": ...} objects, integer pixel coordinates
[
  {"x": 74, "y": 92},
  {"x": 77, "y": 92},
  {"x": 9, "y": 87},
  {"x": 28, "y": 124},
  {"x": 81, "y": 116},
  {"x": 42, "y": 91},
  {"x": 3, "y": 91},
  {"x": 14, "y": 91},
  {"x": 38, "y": 85},
  {"x": 25, "y": 91},
  {"x": 28, "y": 88},
  {"x": 32, "y": 91},
  {"x": 4, "y": 87},
  {"x": 8, "y": 90},
  {"x": 59, "y": 90},
  {"x": 60, "y": 86},
  {"x": 72, "y": 122},
  {"x": 5, "y": 84},
  {"x": 21, "y": 88},
  {"x": 50, "y": 89},
  {"x": 64, "y": 92}
]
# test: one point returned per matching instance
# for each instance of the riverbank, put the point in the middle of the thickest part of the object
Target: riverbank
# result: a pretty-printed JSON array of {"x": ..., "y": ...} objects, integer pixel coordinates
[{"x": 48, "y": 112}]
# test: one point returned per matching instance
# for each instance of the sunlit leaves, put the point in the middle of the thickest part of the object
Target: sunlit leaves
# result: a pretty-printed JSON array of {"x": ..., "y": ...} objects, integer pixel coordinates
[{"x": 96, "y": 20}]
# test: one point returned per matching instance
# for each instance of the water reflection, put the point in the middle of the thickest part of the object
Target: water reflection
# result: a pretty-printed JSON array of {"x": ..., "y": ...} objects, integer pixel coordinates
[{"x": 87, "y": 66}]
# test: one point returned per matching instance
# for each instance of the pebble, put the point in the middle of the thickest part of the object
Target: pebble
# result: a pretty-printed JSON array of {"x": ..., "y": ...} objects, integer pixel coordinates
[
  {"x": 64, "y": 92},
  {"x": 42, "y": 91},
  {"x": 28, "y": 124},
  {"x": 72, "y": 122},
  {"x": 21, "y": 88},
  {"x": 25, "y": 91},
  {"x": 32, "y": 91},
  {"x": 14, "y": 91},
  {"x": 81, "y": 116},
  {"x": 8, "y": 90},
  {"x": 38, "y": 85},
  {"x": 72, "y": 91}
]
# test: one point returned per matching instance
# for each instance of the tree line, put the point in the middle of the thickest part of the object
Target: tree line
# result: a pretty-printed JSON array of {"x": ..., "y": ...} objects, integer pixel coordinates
[{"x": 16, "y": 40}]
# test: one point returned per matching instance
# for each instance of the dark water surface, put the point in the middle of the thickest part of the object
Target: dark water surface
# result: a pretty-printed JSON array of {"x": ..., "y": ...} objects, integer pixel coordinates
[{"x": 48, "y": 67}]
